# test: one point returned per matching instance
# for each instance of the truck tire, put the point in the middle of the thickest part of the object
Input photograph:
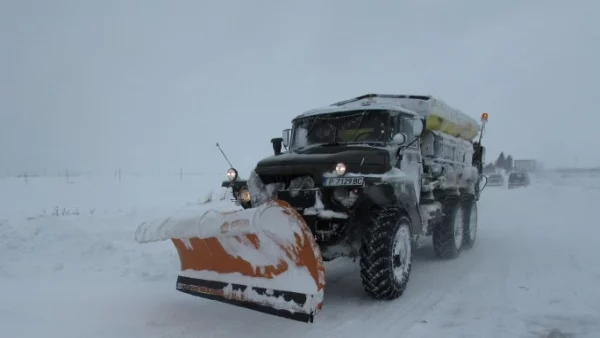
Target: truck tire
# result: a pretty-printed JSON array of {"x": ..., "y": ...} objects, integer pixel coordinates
[
  {"x": 470, "y": 223},
  {"x": 386, "y": 253},
  {"x": 448, "y": 235}
]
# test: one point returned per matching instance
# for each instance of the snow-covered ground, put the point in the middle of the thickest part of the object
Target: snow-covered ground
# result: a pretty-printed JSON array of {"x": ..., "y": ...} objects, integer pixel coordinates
[{"x": 534, "y": 268}]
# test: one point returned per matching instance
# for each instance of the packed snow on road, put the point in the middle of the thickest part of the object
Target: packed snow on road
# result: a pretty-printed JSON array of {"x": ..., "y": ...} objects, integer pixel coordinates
[{"x": 70, "y": 267}]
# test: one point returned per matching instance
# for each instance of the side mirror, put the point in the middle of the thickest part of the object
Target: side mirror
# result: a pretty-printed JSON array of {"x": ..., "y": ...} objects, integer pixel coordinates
[
  {"x": 277, "y": 145},
  {"x": 285, "y": 136},
  {"x": 399, "y": 138},
  {"x": 482, "y": 154},
  {"x": 418, "y": 127}
]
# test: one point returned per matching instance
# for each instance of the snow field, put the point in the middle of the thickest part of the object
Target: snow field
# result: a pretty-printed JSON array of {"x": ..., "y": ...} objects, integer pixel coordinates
[
  {"x": 534, "y": 268},
  {"x": 35, "y": 241}
]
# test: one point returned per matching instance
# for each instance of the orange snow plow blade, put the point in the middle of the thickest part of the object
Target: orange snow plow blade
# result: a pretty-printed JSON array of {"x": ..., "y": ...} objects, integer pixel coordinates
[{"x": 264, "y": 258}]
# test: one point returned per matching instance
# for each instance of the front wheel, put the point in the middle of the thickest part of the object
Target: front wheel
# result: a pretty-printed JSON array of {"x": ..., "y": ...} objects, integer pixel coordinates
[{"x": 386, "y": 254}]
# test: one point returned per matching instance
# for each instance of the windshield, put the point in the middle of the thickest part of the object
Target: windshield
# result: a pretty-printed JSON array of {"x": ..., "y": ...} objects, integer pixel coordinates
[{"x": 365, "y": 126}]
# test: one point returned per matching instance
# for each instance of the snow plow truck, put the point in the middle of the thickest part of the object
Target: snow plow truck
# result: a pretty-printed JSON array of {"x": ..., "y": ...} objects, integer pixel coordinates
[{"x": 362, "y": 178}]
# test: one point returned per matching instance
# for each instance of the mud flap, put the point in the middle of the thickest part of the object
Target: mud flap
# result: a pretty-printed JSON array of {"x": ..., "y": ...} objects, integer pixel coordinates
[{"x": 264, "y": 258}]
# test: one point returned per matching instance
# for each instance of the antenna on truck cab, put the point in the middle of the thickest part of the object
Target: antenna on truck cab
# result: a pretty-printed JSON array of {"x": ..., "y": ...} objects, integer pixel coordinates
[{"x": 226, "y": 159}]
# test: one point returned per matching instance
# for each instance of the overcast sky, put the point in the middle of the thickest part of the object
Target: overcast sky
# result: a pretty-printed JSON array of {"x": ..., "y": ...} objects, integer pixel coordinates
[{"x": 153, "y": 85}]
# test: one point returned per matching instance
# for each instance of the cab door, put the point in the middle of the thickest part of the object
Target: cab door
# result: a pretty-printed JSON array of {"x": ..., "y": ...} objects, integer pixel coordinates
[
  {"x": 412, "y": 161},
  {"x": 412, "y": 164}
]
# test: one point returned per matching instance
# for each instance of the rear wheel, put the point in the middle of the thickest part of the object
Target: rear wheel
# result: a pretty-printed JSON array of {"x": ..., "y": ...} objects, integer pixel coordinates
[
  {"x": 470, "y": 223},
  {"x": 448, "y": 236},
  {"x": 386, "y": 254}
]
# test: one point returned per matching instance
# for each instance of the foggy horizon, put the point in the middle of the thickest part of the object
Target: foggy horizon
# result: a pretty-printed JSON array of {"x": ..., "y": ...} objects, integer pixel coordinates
[{"x": 153, "y": 86}]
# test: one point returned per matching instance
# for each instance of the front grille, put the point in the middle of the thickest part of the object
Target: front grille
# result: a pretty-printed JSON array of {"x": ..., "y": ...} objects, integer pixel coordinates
[
  {"x": 299, "y": 199},
  {"x": 297, "y": 181}
]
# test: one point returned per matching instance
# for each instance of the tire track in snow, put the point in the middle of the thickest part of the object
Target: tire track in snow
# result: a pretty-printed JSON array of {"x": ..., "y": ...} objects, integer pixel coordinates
[
  {"x": 472, "y": 300},
  {"x": 440, "y": 287},
  {"x": 534, "y": 279}
]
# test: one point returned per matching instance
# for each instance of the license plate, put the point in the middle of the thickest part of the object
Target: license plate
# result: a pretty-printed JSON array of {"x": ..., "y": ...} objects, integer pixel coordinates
[{"x": 340, "y": 181}]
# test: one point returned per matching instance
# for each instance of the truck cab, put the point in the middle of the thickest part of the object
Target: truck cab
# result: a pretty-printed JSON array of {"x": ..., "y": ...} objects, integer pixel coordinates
[{"x": 339, "y": 163}]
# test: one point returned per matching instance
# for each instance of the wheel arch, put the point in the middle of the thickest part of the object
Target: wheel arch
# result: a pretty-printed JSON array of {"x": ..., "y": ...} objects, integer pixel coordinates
[
  {"x": 377, "y": 199},
  {"x": 401, "y": 194}
]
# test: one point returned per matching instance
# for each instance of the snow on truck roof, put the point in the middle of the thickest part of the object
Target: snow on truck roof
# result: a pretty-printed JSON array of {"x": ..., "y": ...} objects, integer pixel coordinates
[
  {"x": 416, "y": 105},
  {"x": 438, "y": 115},
  {"x": 364, "y": 102}
]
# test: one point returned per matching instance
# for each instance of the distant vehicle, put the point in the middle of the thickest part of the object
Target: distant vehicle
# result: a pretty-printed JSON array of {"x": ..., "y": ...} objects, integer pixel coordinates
[
  {"x": 495, "y": 180},
  {"x": 525, "y": 165},
  {"x": 518, "y": 179}
]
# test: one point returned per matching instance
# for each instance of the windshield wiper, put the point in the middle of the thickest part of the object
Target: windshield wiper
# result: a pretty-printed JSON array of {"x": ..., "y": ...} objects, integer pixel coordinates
[
  {"x": 312, "y": 126},
  {"x": 362, "y": 116},
  {"x": 330, "y": 144},
  {"x": 316, "y": 145}
]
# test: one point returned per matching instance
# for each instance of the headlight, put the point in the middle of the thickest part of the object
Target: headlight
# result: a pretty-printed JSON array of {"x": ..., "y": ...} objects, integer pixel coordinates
[
  {"x": 245, "y": 195},
  {"x": 340, "y": 169},
  {"x": 232, "y": 174}
]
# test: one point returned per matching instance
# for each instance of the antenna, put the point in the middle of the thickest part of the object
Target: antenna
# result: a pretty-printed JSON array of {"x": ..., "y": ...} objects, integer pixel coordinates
[{"x": 226, "y": 159}]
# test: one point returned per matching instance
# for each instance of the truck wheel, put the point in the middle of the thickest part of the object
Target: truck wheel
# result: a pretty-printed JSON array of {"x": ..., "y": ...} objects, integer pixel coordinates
[
  {"x": 386, "y": 254},
  {"x": 470, "y": 224},
  {"x": 448, "y": 235}
]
